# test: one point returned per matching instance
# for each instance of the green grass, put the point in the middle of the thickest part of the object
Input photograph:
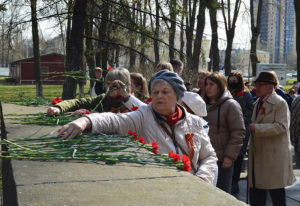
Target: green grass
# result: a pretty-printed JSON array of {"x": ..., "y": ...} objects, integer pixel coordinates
[{"x": 29, "y": 91}]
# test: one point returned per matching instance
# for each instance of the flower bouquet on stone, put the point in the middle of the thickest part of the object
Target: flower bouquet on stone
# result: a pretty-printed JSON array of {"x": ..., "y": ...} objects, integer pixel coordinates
[
  {"x": 43, "y": 119},
  {"x": 110, "y": 149},
  {"x": 174, "y": 158}
]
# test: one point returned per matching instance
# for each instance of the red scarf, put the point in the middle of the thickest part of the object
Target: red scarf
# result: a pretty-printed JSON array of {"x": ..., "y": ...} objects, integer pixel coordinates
[{"x": 173, "y": 118}]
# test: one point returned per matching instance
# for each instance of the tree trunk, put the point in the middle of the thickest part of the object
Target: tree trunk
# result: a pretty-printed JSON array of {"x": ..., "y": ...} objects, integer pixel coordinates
[
  {"x": 103, "y": 34},
  {"x": 62, "y": 32},
  {"x": 132, "y": 54},
  {"x": 227, "y": 63},
  {"x": 199, "y": 35},
  {"x": 172, "y": 29},
  {"x": 132, "y": 41},
  {"x": 297, "y": 14},
  {"x": 255, "y": 29},
  {"x": 230, "y": 29},
  {"x": 89, "y": 51},
  {"x": 182, "y": 33},
  {"x": 2, "y": 41},
  {"x": 117, "y": 56},
  {"x": 156, "y": 33},
  {"x": 68, "y": 52},
  {"x": 98, "y": 49},
  {"x": 214, "y": 48},
  {"x": 143, "y": 38},
  {"x": 76, "y": 48},
  {"x": 36, "y": 50},
  {"x": 189, "y": 31}
]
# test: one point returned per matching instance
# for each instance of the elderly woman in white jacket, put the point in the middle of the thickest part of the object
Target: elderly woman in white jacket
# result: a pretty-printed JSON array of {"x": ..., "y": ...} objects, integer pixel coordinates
[{"x": 163, "y": 120}]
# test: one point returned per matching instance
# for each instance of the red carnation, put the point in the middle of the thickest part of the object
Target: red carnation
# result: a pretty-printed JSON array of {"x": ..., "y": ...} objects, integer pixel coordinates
[
  {"x": 110, "y": 68},
  {"x": 187, "y": 166},
  {"x": 176, "y": 157},
  {"x": 134, "y": 134},
  {"x": 171, "y": 154},
  {"x": 149, "y": 100},
  {"x": 155, "y": 147},
  {"x": 185, "y": 158},
  {"x": 134, "y": 108},
  {"x": 87, "y": 112},
  {"x": 142, "y": 140},
  {"x": 187, "y": 163},
  {"x": 56, "y": 100},
  {"x": 240, "y": 94}
]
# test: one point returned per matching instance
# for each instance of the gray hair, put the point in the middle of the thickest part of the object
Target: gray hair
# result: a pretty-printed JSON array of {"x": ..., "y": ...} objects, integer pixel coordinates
[{"x": 119, "y": 74}]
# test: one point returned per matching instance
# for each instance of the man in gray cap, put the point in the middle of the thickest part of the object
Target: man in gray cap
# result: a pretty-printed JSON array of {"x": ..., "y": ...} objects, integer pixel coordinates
[{"x": 270, "y": 160}]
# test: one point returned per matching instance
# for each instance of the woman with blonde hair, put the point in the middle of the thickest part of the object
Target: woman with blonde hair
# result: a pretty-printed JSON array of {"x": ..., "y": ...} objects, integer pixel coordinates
[
  {"x": 226, "y": 126},
  {"x": 139, "y": 86},
  {"x": 164, "y": 65},
  {"x": 201, "y": 78}
]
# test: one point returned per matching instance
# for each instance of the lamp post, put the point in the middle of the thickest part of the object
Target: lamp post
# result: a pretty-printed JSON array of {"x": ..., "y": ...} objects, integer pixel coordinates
[{"x": 207, "y": 61}]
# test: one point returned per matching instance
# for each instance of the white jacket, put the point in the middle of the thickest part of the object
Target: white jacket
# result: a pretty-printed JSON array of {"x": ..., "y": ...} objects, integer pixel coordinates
[{"x": 144, "y": 122}]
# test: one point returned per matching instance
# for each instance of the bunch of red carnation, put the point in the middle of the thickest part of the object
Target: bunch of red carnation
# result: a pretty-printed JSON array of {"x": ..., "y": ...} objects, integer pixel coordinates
[
  {"x": 142, "y": 141},
  {"x": 134, "y": 134},
  {"x": 85, "y": 112},
  {"x": 134, "y": 108},
  {"x": 56, "y": 100},
  {"x": 187, "y": 163},
  {"x": 155, "y": 147},
  {"x": 149, "y": 100},
  {"x": 185, "y": 159},
  {"x": 176, "y": 157},
  {"x": 240, "y": 94}
]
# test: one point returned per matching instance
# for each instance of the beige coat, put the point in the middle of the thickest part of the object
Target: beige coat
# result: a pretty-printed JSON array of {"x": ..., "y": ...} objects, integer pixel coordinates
[
  {"x": 271, "y": 147},
  {"x": 144, "y": 122}
]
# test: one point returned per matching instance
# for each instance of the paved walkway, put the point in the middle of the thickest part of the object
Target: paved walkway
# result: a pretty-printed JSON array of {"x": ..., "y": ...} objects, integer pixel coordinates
[{"x": 292, "y": 192}]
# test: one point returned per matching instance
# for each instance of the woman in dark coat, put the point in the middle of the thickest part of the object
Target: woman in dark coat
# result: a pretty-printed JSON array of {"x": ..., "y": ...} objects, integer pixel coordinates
[{"x": 241, "y": 94}]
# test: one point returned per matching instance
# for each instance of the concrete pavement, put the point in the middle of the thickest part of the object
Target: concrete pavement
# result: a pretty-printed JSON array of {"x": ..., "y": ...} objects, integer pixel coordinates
[{"x": 292, "y": 192}]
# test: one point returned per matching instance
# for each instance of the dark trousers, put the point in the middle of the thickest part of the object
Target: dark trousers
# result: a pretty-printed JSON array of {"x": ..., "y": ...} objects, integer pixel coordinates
[
  {"x": 224, "y": 178},
  {"x": 297, "y": 158},
  {"x": 237, "y": 169},
  {"x": 258, "y": 197}
]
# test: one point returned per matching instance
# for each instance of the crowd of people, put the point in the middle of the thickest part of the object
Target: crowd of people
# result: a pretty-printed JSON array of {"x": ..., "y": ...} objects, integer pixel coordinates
[{"x": 225, "y": 117}]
